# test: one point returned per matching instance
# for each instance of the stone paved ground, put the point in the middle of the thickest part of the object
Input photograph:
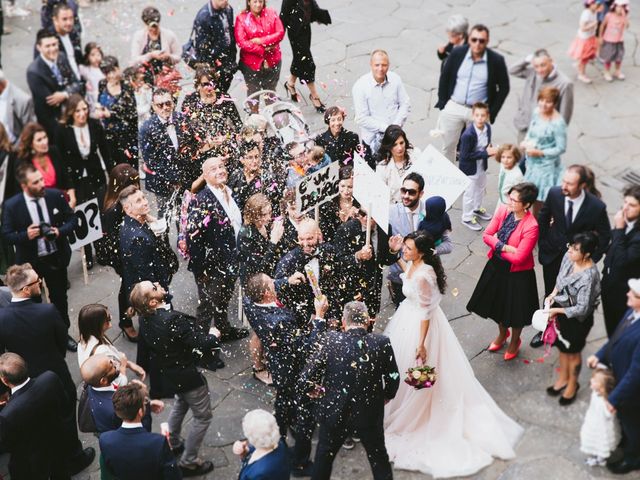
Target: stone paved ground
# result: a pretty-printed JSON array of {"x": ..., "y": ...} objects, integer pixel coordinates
[{"x": 604, "y": 134}]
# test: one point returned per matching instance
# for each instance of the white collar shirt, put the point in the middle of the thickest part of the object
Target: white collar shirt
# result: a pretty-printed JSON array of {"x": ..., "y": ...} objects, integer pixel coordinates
[
  {"x": 230, "y": 208},
  {"x": 5, "y": 113},
  {"x": 18, "y": 387},
  {"x": 630, "y": 226},
  {"x": 577, "y": 203},
  {"x": 83, "y": 140},
  {"x": 71, "y": 58},
  {"x": 35, "y": 218}
]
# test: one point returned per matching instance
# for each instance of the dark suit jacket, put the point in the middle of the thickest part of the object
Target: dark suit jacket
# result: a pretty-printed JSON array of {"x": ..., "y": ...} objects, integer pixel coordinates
[
  {"x": 623, "y": 356},
  {"x": 211, "y": 239},
  {"x": 42, "y": 83},
  {"x": 355, "y": 390},
  {"x": 164, "y": 164},
  {"x": 208, "y": 30},
  {"x": 135, "y": 454},
  {"x": 468, "y": 154},
  {"x": 175, "y": 339},
  {"x": 141, "y": 256},
  {"x": 86, "y": 173},
  {"x": 554, "y": 236},
  {"x": 363, "y": 279},
  {"x": 256, "y": 254},
  {"x": 30, "y": 426},
  {"x": 16, "y": 220},
  {"x": 622, "y": 261},
  {"x": 497, "y": 81},
  {"x": 104, "y": 416},
  {"x": 76, "y": 43}
]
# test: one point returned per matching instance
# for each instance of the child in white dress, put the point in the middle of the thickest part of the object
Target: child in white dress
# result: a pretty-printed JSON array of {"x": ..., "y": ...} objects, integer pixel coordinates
[
  {"x": 600, "y": 432},
  {"x": 508, "y": 156}
]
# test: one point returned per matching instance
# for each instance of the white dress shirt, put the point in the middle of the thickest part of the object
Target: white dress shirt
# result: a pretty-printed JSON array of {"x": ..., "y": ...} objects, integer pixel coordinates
[
  {"x": 630, "y": 226},
  {"x": 18, "y": 387},
  {"x": 5, "y": 113},
  {"x": 378, "y": 105},
  {"x": 231, "y": 208},
  {"x": 171, "y": 131},
  {"x": 83, "y": 139},
  {"x": 577, "y": 203},
  {"x": 35, "y": 218},
  {"x": 126, "y": 424},
  {"x": 71, "y": 58}
]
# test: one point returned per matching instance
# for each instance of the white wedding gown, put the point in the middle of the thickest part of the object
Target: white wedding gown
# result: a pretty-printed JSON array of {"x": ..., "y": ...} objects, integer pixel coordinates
[{"x": 453, "y": 428}]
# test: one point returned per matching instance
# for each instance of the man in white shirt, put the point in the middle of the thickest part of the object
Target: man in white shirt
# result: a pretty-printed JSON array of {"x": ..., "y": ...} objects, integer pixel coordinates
[
  {"x": 70, "y": 43},
  {"x": 16, "y": 108},
  {"x": 380, "y": 100}
]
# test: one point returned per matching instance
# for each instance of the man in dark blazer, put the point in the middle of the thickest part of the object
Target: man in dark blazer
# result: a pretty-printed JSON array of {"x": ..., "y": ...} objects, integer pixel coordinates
[
  {"x": 351, "y": 392},
  {"x": 622, "y": 354},
  {"x": 568, "y": 209},
  {"x": 472, "y": 73},
  {"x": 164, "y": 143},
  {"x": 292, "y": 280},
  {"x": 174, "y": 338},
  {"x": 361, "y": 264},
  {"x": 31, "y": 421},
  {"x": 622, "y": 261},
  {"x": 287, "y": 348},
  {"x": 51, "y": 81},
  {"x": 36, "y": 332},
  {"x": 131, "y": 452},
  {"x": 22, "y": 218},
  {"x": 213, "y": 223}
]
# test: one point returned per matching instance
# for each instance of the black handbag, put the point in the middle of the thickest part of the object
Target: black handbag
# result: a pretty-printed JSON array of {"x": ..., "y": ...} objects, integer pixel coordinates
[
  {"x": 86, "y": 423},
  {"x": 189, "y": 51}
]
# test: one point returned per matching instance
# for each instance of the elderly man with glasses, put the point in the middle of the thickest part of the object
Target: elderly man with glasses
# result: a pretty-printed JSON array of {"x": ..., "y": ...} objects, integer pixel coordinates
[{"x": 472, "y": 73}]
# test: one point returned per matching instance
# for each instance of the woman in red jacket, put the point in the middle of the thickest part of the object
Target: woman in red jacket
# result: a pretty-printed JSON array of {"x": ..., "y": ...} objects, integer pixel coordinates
[
  {"x": 259, "y": 32},
  {"x": 506, "y": 291}
]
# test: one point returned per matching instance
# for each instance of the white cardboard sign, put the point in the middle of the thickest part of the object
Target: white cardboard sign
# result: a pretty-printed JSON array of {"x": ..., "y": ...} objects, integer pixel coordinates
[
  {"x": 371, "y": 191},
  {"x": 89, "y": 228},
  {"x": 318, "y": 188}
]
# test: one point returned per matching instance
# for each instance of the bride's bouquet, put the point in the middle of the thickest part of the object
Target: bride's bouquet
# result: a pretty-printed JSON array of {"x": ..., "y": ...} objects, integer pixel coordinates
[{"x": 421, "y": 376}]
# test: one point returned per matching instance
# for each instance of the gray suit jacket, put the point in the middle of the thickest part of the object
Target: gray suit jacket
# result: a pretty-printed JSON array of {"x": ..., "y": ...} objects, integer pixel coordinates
[
  {"x": 400, "y": 225},
  {"x": 20, "y": 110},
  {"x": 5, "y": 296}
]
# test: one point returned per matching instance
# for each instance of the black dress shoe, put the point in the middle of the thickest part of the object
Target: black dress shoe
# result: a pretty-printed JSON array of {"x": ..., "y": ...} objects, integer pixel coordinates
[
  {"x": 623, "y": 466},
  {"x": 564, "y": 401},
  {"x": 233, "y": 333},
  {"x": 536, "y": 341},
  {"x": 212, "y": 364},
  {"x": 177, "y": 450},
  {"x": 305, "y": 470},
  {"x": 196, "y": 470},
  {"x": 553, "y": 392},
  {"x": 72, "y": 345},
  {"x": 82, "y": 461}
]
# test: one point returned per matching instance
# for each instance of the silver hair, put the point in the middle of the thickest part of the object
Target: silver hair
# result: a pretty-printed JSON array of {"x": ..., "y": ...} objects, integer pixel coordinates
[
  {"x": 261, "y": 429},
  {"x": 355, "y": 312},
  {"x": 458, "y": 24}
]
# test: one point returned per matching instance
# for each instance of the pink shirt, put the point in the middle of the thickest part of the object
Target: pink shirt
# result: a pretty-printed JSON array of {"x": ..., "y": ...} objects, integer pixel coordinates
[
  {"x": 614, "y": 31},
  {"x": 48, "y": 172},
  {"x": 523, "y": 239},
  {"x": 266, "y": 26}
]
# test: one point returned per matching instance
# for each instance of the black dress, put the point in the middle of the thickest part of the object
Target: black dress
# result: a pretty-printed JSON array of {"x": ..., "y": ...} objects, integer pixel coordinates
[
  {"x": 340, "y": 148},
  {"x": 508, "y": 298},
  {"x": 121, "y": 128}
]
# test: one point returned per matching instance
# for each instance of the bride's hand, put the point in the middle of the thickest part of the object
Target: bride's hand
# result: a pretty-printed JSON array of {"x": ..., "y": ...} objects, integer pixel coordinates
[{"x": 421, "y": 353}]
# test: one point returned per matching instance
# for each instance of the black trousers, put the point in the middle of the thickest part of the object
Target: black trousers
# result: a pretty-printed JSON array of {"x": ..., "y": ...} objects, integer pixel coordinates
[
  {"x": 214, "y": 294},
  {"x": 395, "y": 289},
  {"x": 614, "y": 304},
  {"x": 331, "y": 438},
  {"x": 630, "y": 423},
  {"x": 550, "y": 274},
  {"x": 55, "y": 275},
  {"x": 296, "y": 412}
]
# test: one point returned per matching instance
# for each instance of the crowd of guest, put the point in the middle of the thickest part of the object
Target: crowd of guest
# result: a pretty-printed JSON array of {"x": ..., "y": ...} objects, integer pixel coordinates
[{"x": 226, "y": 185}]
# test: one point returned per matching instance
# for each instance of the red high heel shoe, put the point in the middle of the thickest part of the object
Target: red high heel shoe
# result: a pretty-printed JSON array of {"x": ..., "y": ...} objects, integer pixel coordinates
[
  {"x": 494, "y": 347},
  {"x": 510, "y": 356}
]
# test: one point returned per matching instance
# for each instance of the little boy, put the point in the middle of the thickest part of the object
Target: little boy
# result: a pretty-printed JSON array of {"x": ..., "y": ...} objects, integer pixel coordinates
[{"x": 475, "y": 148}]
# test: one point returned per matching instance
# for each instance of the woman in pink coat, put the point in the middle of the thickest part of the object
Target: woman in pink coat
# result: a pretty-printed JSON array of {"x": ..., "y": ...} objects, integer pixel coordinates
[
  {"x": 259, "y": 32},
  {"x": 506, "y": 291}
]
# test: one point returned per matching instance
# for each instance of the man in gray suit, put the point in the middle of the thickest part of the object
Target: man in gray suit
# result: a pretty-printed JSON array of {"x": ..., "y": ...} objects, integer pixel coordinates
[
  {"x": 5, "y": 296},
  {"x": 16, "y": 108}
]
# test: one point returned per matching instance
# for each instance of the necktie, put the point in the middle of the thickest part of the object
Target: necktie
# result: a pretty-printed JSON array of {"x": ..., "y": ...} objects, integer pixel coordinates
[
  {"x": 569, "y": 218},
  {"x": 41, "y": 218},
  {"x": 56, "y": 73}
]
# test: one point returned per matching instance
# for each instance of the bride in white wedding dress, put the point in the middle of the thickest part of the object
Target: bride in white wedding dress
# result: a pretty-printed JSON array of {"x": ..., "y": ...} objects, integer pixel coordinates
[{"x": 453, "y": 428}]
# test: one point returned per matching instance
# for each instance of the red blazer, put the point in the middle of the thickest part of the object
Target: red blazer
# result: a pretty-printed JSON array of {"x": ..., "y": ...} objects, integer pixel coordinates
[
  {"x": 523, "y": 238},
  {"x": 267, "y": 26}
]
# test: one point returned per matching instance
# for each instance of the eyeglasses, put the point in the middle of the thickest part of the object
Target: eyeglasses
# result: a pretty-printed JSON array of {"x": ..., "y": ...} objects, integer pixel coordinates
[
  {"x": 481, "y": 41},
  {"x": 39, "y": 280},
  {"x": 167, "y": 104},
  {"x": 514, "y": 200},
  {"x": 154, "y": 288},
  {"x": 409, "y": 191},
  {"x": 206, "y": 84}
]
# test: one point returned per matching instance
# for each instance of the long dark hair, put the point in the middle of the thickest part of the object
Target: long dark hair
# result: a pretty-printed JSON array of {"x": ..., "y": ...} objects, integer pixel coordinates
[
  {"x": 391, "y": 135},
  {"x": 91, "y": 320},
  {"x": 121, "y": 176},
  {"x": 427, "y": 247}
]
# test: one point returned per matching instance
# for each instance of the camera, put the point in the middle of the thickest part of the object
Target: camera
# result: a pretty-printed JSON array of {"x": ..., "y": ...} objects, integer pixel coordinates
[{"x": 47, "y": 231}]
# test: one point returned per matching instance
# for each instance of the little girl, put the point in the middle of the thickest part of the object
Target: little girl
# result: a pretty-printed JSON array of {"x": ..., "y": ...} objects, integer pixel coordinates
[
  {"x": 600, "y": 432},
  {"x": 91, "y": 73},
  {"x": 510, "y": 174},
  {"x": 611, "y": 38},
  {"x": 585, "y": 46}
]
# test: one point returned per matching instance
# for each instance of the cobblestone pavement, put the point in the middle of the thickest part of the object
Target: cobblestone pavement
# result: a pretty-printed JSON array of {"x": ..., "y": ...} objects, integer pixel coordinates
[{"x": 604, "y": 134}]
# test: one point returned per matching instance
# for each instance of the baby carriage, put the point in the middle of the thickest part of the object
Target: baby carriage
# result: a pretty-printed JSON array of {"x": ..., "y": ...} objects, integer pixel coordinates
[{"x": 284, "y": 118}]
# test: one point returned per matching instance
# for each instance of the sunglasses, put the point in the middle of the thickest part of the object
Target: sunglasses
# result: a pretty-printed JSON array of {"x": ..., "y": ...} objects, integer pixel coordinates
[
  {"x": 481, "y": 41},
  {"x": 206, "y": 84},
  {"x": 410, "y": 191},
  {"x": 39, "y": 280},
  {"x": 167, "y": 104}
]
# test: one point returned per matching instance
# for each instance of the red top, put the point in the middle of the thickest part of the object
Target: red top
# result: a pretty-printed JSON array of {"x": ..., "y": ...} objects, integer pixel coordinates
[
  {"x": 48, "y": 173},
  {"x": 266, "y": 26},
  {"x": 523, "y": 238}
]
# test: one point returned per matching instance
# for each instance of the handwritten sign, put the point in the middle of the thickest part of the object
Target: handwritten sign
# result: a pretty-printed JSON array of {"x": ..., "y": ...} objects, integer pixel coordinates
[
  {"x": 318, "y": 188},
  {"x": 441, "y": 177},
  {"x": 371, "y": 191},
  {"x": 89, "y": 228}
]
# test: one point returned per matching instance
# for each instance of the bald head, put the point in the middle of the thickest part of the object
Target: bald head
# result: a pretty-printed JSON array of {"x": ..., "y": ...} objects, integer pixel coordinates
[
  {"x": 308, "y": 235},
  {"x": 13, "y": 369},
  {"x": 214, "y": 171},
  {"x": 99, "y": 371},
  {"x": 379, "y": 65}
]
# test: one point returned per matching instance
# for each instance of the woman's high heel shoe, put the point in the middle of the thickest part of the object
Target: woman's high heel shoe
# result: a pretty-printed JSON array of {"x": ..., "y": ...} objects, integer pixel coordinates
[
  {"x": 291, "y": 92},
  {"x": 510, "y": 356},
  {"x": 132, "y": 339},
  {"x": 564, "y": 401},
  {"x": 494, "y": 347},
  {"x": 319, "y": 108}
]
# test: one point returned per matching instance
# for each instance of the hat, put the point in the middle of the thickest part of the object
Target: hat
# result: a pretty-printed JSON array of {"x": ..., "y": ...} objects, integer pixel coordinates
[
  {"x": 151, "y": 16},
  {"x": 634, "y": 284}
]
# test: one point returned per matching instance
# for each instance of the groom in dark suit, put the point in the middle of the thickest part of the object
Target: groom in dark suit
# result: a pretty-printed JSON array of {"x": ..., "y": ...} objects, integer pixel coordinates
[
  {"x": 622, "y": 354},
  {"x": 353, "y": 373}
]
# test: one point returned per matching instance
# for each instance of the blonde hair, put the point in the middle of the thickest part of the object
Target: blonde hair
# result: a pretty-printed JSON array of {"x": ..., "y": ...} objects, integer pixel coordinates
[{"x": 316, "y": 154}]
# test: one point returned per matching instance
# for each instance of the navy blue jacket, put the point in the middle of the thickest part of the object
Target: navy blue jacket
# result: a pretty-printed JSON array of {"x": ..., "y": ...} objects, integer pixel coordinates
[
  {"x": 273, "y": 466},
  {"x": 135, "y": 454},
  {"x": 469, "y": 156},
  {"x": 209, "y": 38},
  {"x": 623, "y": 356},
  {"x": 497, "y": 81},
  {"x": 16, "y": 220},
  {"x": 104, "y": 416},
  {"x": 211, "y": 239}
]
